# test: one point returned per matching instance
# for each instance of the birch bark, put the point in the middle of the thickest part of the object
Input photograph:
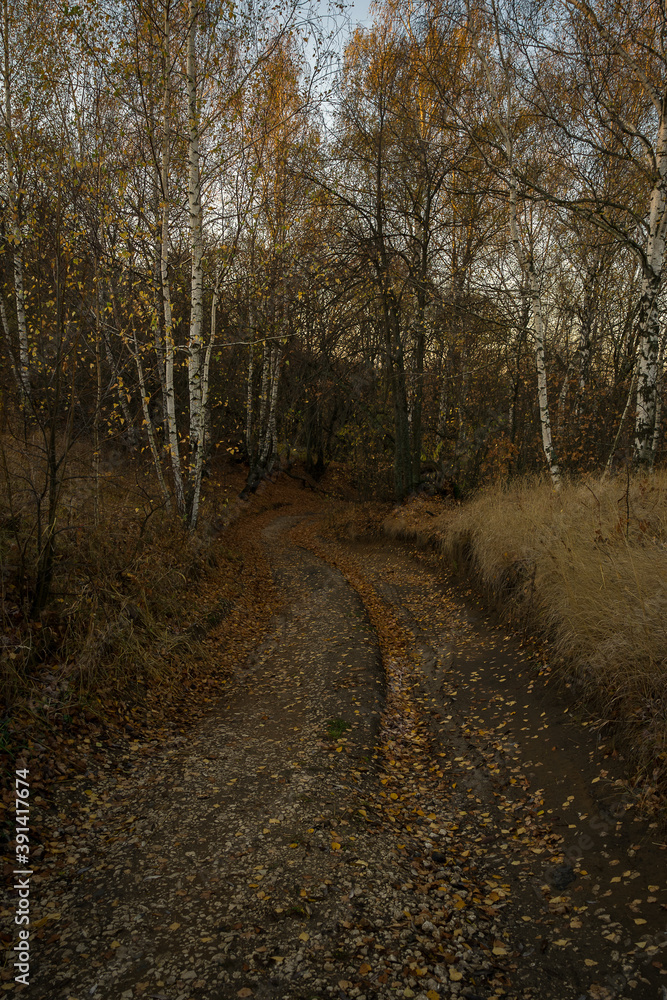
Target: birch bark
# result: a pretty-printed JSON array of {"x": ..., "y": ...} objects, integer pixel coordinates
[
  {"x": 201, "y": 450},
  {"x": 196, "y": 246},
  {"x": 14, "y": 226},
  {"x": 527, "y": 266},
  {"x": 249, "y": 385},
  {"x": 648, "y": 324},
  {"x": 172, "y": 427}
]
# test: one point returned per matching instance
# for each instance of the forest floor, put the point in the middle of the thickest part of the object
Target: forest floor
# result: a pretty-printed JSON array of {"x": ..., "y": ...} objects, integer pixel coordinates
[{"x": 390, "y": 800}]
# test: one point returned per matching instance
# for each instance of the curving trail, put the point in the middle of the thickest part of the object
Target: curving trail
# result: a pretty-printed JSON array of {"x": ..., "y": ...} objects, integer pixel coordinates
[{"x": 387, "y": 805}]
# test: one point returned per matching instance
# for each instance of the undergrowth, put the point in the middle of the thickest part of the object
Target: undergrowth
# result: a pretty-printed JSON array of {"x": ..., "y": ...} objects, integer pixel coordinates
[{"x": 133, "y": 594}]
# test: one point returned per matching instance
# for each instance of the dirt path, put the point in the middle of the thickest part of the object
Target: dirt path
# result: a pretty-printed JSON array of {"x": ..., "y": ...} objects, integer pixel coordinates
[
  {"x": 301, "y": 842},
  {"x": 587, "y": 904}
]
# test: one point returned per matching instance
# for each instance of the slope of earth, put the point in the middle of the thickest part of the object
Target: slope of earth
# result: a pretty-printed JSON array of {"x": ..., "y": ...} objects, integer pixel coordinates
[{"x": 364, "y": 816}]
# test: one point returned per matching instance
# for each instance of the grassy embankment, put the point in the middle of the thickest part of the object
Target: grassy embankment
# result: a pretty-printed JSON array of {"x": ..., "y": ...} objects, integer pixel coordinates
[{"x": 585, "y": 568}]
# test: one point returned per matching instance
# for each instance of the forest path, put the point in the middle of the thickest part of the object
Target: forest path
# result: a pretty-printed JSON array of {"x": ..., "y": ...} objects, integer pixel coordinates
[
  {"x": 321, "y": 835},
  {"x": 539, "y": 801}
]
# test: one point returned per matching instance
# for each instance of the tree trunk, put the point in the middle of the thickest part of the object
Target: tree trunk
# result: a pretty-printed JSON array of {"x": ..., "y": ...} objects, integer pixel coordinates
[
  {"x": 172, "y": 427},
  {"x": 647, "y": 370},
  {"x": 205, "y": 383},
  {"x": 13, "y": 223},
  {"x": 528, "y": 269},
  {"x": 658, "y": 398},
  {"x": 148, "y": 421},
  {"x": 648, "y": 327},
  {"x": 196, "y": 246}
]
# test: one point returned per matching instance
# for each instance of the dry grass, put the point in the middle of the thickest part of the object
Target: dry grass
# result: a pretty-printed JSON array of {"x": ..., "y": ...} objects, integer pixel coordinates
[
  {"x": 133, "y": 593},
  {"x": 588, "y": 568}
]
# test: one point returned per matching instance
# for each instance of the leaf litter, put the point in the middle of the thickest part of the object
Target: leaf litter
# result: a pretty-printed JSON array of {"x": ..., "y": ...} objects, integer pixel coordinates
[{"x": 264, "y": 852}]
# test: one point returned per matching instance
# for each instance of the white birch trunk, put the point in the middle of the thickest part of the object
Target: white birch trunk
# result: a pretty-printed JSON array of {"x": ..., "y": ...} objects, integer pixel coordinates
[
  {"x": 172, "y": 427},
  {"x": 98, "y": 393},
  {"x": 528, "y": 270},
  {"x": 196, "y": 243},
  {"x": 14, "y": 227},
  {"x": 648, "y": 324},
  {"x": 205, "y": 383},
  {"x": 264, "y": 389},
  {"x": 248, "y": 416},
  {"x": 649, "y": 329},
  {"x": 8, "y": 339},
  {"x": 542, "y": 391}
]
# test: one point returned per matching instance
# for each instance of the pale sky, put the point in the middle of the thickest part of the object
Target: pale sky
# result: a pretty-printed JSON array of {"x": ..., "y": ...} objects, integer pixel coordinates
[{"x": 358, "y": 12}]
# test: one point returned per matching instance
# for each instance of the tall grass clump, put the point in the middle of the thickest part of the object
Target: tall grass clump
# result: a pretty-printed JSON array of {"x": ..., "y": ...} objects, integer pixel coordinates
[
  {"x": 127, "y": 589},
  {"x": 588, "y": 567}
]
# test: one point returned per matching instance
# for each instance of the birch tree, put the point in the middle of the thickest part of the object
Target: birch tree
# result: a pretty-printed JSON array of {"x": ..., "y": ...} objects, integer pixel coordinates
[{"x": 504, "y": 114}]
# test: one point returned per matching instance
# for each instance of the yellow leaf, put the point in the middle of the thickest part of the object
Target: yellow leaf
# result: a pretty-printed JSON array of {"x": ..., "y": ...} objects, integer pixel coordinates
[
  {"x": 432, "y": 995},
  {"x": 590, "y": 961},
  {"x": 305, "y": 936},
  {"x": 639, "y": 920},
  {"x": 454, "y": 974},
  {"x": 335, "y": 846}
]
